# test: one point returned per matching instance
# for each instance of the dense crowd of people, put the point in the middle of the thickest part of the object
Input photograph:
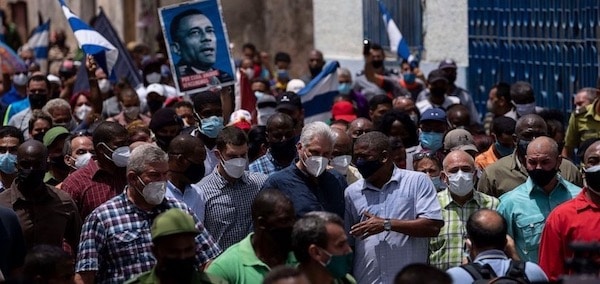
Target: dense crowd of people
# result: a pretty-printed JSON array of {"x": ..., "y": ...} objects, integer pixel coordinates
[{"x": 406, "y": 183}]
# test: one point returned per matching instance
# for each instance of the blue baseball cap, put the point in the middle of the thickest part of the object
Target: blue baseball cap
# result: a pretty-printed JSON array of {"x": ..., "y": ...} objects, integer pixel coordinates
[{"x": 433, "y": 114}]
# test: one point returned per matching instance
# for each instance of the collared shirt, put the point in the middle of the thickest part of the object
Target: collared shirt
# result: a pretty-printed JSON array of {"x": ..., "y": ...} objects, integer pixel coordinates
[
  {"x": 525, "y": 210},
  {"x": 192, "y": 197},
  {"x": 575, "y": 220},
  {"x": 48, "y": 219},
  {"x": 583, "y": 126},
  {"x": 240, "y": 265},
  {"x": 447, "y": 249},
  {"x": 500, "y": 264},
  {"x": 116, "y": 241},
  {"x": 307, "y": 193},
  {"x": 486, "y": 158},
  {"x": 508, "y": 173},
  {"x": 198, "y": 277},
  {"x": 91, "y": 186},
  {"x": 21, "y": 121},
  {"x": 228, "y": 217},
  {"x": 210, "y": 162},
  {"x": 407, "y": 195},
  {"x": 266, "y": 164}
]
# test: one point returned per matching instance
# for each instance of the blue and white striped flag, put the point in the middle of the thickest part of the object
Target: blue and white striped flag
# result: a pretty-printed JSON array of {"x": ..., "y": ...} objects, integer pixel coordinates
[
  {"x": 397, "y": 42},
  {"x": 317, "y": 96},
  {"x": 91, "y": 41},
  {"x": 39, "y": 41}
]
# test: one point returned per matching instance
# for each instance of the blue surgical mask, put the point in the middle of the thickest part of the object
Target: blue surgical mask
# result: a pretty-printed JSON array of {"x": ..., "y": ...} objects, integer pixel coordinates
[
  {"x": 524, "y": 109},
  {"x": 432, "y": 141},
  {"x": 438, "y": 183},
  {"x": 503, "y": 150},
  {"x": 282, "y": 74},
  {"x": 211, "y": 126},
  {"x": 409, "y": 78},
  {"x": 344, "y": 88},
  {"x": 8, "y": 163}
]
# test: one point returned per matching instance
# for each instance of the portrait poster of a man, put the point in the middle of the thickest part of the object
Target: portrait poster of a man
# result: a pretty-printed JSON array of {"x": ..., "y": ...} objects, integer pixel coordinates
[{"x": 198, "y": 45}]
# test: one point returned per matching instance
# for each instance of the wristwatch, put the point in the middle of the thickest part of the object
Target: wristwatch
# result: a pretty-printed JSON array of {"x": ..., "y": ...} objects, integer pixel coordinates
[{"x": 387, "y": 225}]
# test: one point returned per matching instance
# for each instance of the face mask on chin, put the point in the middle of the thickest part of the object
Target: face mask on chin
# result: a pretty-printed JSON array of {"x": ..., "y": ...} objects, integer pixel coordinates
[{"x": 592, "y": 179}]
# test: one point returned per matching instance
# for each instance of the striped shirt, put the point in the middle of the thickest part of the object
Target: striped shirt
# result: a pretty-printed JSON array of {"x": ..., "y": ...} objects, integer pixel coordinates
[
  {"x": 91, "y": 186},
  {"x": 266, "y": 164},
  {"x": 447, "y": 249},
  {"x": 116, "y": 241},
  {"x": 227, "y": 214}
]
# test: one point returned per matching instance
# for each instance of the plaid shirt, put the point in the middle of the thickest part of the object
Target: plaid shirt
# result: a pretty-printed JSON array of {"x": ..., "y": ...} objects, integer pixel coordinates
[
  {"x": 116, "y": 241},
  {"x": 266, "y": 164},
  {"x": 447, "y": 249}
]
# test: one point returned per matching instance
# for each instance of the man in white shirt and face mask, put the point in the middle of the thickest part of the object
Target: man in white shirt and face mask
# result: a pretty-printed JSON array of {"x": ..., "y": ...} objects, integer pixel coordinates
[{"x": 458, "y": 201}]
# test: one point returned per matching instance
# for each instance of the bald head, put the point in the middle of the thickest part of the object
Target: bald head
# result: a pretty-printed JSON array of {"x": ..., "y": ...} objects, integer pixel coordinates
[
  {"x": 591, "y": 157},
  {"x": 359, "y": 126},
  {"x": 530, "y": 126},
  {"x": 185, "y": 144},
  {"x": 32, "y": 151},
  {"x": 487, "y": 230},
  {"x": 545, "y": 145},
  {"x": 458, "y": 157},
  {"x": 343, "y": 142}
]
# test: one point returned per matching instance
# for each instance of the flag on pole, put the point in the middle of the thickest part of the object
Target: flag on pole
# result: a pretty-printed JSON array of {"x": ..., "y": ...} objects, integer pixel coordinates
[
  {"x": 39, "y": 41},
  {"x": 398, "y": 43},
  {"x": 317, "y": 96},
  {"x": 91, "y": 41}
]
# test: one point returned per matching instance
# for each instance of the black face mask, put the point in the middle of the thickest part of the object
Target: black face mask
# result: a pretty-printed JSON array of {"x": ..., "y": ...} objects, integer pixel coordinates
[
  {"x": 39, "y": 136},
  {"x": 314, "y": 71},
  {"x": 377, "y": 63},
  {"x": 438, "y": 92},
  {"x": 282, "y": 237},
  {"x": 179, "y": 270},
  {"x": 195, "y": 172},
  {"x": 154, "y": 105},
  {"x": 451, "y": 78},
  {"x": 368, "y": 168},
  {"x": 163, "y": 141},
  {"x": 592, "y": 180},
  {"x": 522, "y": 146},
  {"x": 542, "y": 177},
  {"x": 37, "y": 101},
  {"x": 30, "y": 178},
  {"x": 58, "y": 163},
  {"x": 284, "y": 150}
]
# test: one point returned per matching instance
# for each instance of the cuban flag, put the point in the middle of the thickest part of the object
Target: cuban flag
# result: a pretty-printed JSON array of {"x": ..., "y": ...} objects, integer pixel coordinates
[
  {"x": 317, "y": 96},
  {"x": 91, "y": 41},
  {"x": 39, "y": 41},
  {"x": 397, "y": 42}
]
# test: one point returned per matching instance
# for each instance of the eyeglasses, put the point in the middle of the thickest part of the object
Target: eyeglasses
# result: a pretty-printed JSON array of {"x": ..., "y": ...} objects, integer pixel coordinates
[{"x": 422, "y": 155}]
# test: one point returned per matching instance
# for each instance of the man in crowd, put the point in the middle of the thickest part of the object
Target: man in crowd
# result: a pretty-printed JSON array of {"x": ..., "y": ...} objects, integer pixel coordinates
[
  {"x": 503, "y": 129},
  {"x": 499, "y": 103},
  {"x": 47, "y": 215},
  {"x": 321, "y": 246},
  {"x": 576, "y": 220},
  {"x": 437, "y": 84},
  {"x": 10, "y": 139},
  {"x": 358, "y": 127},
  {"x": 54, "y": 140},
  {"x": 432, "y": 126},
  {"x": 103, "y": 178},
  {"x": 486, "y": 230},
  {"x": 38, "y": 93},
  {"x": 308, "y": 182},
  {"x": 229, "y": 189},
  {"x": 583, "y": 125},
  {"x": 526, "y": 207},
  {"x": 165, "y": 124},
  {"x": 315, "y": 65},
  {"x": 523, "y": 97},
  {"x": 78, "y": 151},
  {"x": 282, "y": 149},
  {"x": 116, "y": 239},
  {"x": 392, "y": 232},
  {"x": 186, "y": 168},
  {"x": 268, "y": 246},
  {"x": 342, "y": 156},
  {"x": 291, "y": 104},
  {"x": 510, "y": 171},
  {"x": 174, "y": 248},
  {"x": 458, "y": 201}
]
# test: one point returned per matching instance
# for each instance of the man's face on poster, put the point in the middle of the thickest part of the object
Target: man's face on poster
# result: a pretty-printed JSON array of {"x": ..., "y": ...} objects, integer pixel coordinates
[{"x": 196, "y": 44}]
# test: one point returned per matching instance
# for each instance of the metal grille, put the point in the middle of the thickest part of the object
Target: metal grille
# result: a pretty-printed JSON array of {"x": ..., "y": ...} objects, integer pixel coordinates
[
  {"x": 407, "y": 15},
  {"x": 551, "y": 44}
]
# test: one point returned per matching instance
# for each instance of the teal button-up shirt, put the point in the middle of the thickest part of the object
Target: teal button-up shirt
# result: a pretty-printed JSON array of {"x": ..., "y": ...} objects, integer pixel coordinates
[{"x": 525, "y": 209}]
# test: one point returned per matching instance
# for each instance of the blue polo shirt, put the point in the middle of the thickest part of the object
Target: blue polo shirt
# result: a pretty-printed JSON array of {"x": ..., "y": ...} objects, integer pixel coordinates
[{"x": 324, "y": 193}]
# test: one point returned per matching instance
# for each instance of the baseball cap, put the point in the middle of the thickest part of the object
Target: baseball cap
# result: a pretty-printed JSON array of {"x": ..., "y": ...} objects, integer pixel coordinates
[
  {"x": 164, "y": 117},
  {"x": 156, "y": 88},
  {"x": 459, "y": 139},
  {"x": 172, "y": 222},
  {"x": 53, "y": 133},
  {"x": 295, "y": 85},
  {"x": 289, "y": 101},
  {"x": 54, "y": 79},
  {"x": 434, "y": 114},
  {"x": 241, "y": 119},
  {"x": 447, "y": 63},
  {"x": 343, "y": 110},
  {"x": 436, "y": 75}
]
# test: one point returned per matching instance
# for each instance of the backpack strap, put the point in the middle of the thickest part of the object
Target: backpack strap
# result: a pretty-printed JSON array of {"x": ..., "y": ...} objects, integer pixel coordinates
[
  {"x": 478, "y": 271},
  {"x": 516, "y": 270}
]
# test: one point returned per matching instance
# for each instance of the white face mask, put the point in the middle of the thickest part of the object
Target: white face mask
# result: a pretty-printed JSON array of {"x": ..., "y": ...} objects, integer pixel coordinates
[
  {"x": 83, "y": 160},
  {"x": 104, "y": 85},
  {"x": 132, "y": 112},
  {"x": 82, "y": 111},
  {"x": 153, "y": 78},
  {"x": 460, "y": 183},
  {"x": 341, "y": 163},
  {"x": 119, "y": 156},
  {"x": 315, "y": 165},
  {"x": 249, "y": 73},
  {"x": 234, "y": 167},
  {"x": 20, "y": 79},
  {"x": 153, "y": 192}
]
